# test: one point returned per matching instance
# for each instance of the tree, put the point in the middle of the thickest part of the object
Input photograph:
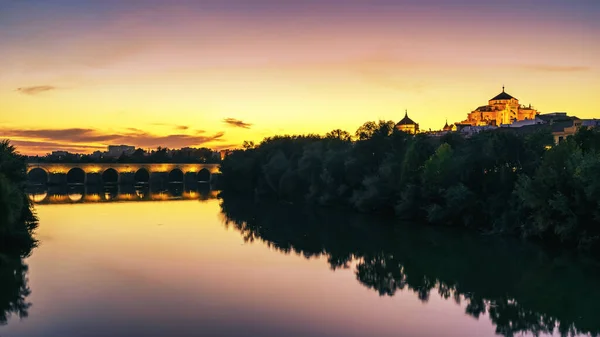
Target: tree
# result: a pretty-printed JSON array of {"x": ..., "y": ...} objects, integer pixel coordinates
[
  {"x": 138, "y": 156},
  {"x": 17, "y": 221},
  {"x": 247, "y": 145},
  {"x": 371, "y": 129},
  {"x": 339, "y": 134}
]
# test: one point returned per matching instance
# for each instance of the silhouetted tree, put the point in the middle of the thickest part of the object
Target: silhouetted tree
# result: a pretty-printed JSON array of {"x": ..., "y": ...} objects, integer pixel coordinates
[
  {"x": 17, "y": 221},
  {"x": 494, "y": 181}
]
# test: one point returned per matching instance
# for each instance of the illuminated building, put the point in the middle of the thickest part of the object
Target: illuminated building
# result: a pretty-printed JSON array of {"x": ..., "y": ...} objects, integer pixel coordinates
[
  {"x": 502, "y": 109},
  {"x": 407, "y": 125},
  {"x": 447, "y": 127}
]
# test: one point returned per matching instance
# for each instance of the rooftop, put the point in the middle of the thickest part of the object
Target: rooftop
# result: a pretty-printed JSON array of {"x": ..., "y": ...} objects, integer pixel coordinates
[
  {"x": 406, "y": 120},
  {"x": 502, "y": 96}
]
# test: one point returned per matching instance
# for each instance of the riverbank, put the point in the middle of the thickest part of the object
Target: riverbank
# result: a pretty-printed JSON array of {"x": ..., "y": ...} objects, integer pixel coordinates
[{"x": 496, "y": 181}]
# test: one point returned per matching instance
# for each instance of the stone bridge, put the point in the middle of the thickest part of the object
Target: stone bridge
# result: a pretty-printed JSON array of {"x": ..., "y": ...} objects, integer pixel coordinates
[{"x": 109, "y": 173}]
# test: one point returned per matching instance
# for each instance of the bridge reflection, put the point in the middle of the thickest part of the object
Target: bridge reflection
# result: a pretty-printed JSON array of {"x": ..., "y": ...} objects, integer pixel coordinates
[{"x": 69, "y": 194}]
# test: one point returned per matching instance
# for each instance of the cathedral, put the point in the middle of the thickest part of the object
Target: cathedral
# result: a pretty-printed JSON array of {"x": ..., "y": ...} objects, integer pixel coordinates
[{"x": 502, "y": 109}]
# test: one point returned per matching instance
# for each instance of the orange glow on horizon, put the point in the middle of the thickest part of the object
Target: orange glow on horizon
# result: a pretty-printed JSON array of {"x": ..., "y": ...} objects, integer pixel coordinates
[{"x": 251, "y": 78}]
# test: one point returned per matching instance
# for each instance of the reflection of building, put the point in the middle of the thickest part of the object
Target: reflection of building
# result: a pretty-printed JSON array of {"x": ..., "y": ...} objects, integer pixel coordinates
[
  {"x": 407, "y": 125},
  {"x": 502, "y": 109},
  {"x": 118, "y": 150}
]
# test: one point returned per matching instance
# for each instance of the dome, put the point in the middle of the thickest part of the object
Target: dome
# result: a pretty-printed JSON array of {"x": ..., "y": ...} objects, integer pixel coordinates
[
  {"x": 502, "y": 96},
  {"x": 406, "y": 120},
  {"x": 447, "y": 127}
]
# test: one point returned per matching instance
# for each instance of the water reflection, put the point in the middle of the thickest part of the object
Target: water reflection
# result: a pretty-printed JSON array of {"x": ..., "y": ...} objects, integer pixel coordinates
[
  {"x": 14, "y": 289},
  {"x": 521, "y": 288},
  {"x": 65, "y": 194}
]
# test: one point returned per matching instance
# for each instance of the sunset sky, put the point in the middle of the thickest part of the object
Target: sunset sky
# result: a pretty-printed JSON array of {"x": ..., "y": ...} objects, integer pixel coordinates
[{"x": 80, "y": 75}]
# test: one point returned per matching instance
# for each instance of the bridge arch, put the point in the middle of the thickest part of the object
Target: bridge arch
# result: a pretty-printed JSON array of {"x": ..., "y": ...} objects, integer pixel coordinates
[
  {"x": 76, "y": 193},
  {"x": 204, "y": 175},
  {"x": 176, "y": 175},
  {"x": 75, "y": 196},
  {"x": 111, "y": 193},
  {"x": 142, "y": 176},
  {"x": 95, "y": 173},
  {"x": 76, "y": 175},
  {"x": 38, "y": 175},
  {"x": 38, "y": 197},
  {"x": 110, "y": 176}
]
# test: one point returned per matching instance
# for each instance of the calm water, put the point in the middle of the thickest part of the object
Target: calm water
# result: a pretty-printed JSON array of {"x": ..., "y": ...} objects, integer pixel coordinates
[{"x": 211, "y": 267}]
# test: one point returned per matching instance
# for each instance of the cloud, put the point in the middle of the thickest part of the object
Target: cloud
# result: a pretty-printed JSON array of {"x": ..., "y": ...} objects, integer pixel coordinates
[
  {"x": 555, "y": 68},
  {"x": 30, "y": 147},
  {"x": 85, "y": 140},
  {"x": 34, "y": 90},
  {"x": 174, "y": 126},
  {"x": 237, "y": 123}
]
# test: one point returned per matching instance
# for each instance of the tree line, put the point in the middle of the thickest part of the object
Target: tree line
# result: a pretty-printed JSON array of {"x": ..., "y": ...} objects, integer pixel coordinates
[
  {"x": 497, "y": 181},
  {"x": 158, "y": 155},
  {"x": 17, "y": 220},
  {"x": 17, "y": 225}
]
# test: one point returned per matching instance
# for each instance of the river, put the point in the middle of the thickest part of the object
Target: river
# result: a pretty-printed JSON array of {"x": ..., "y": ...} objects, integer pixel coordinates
[{"x": 190, "y": 264}]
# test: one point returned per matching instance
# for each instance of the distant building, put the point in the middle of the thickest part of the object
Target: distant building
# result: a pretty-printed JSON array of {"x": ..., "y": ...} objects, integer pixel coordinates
[
  {"x": 459, "y": 126},
  {"x": 469, "y": 130},
  {"x": 447, "y": 127},
  {"x": 562, "y": 130},
  {"x": 407, "y": 125},
  {"x": 58, "y": 155},
  {"x": 502, "y": 109},
  {"x": 559, "y": 124},
  {"x": 590, "y": 123},
  {"x": 118, "y": 150},
  {"x": 535, "y": 121}
]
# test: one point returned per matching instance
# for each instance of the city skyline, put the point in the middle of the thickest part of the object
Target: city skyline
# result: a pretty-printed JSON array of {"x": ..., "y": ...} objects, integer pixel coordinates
[{"x": 79, "y": 77}]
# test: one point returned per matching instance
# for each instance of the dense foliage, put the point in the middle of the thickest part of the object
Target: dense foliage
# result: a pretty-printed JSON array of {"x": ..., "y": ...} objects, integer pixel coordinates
[
  {"x": 494, "y": 181},
  {"x": 17, "y": 221}
]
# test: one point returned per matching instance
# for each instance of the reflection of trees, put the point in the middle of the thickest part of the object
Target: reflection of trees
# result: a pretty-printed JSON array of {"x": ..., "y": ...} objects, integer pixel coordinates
[
  {"x": 521, "y": 288},
  {"x": 13, "y": 289}
]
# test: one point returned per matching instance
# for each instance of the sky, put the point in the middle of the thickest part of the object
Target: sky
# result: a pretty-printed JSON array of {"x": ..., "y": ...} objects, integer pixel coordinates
[{"x": 80, "y": 75}]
